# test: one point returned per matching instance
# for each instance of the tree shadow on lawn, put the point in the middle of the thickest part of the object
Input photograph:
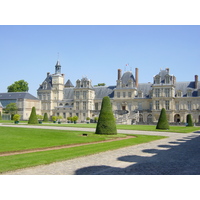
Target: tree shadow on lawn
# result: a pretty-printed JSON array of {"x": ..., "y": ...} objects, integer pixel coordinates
[{"x": 181, "y": 158}]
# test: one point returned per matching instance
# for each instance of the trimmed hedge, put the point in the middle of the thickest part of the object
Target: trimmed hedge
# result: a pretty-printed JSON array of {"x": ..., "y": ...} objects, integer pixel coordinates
[
  {"x": 106, "y": 123},
  {"x": 189, "y": 120},
  {"x": 45, "y": 119},
  {"x": 162, "y": 121},
  {"x": 33, "y": 117}
]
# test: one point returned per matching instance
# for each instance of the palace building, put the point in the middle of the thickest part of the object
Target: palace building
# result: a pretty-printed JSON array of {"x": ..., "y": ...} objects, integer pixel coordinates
[{"x": 131, "y": 100}]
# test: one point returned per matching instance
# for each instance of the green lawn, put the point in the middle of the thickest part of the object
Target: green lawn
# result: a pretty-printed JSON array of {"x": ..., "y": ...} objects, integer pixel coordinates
[
  {"x": 176, "y": 129},
  {"x": 13, "y": 139}
]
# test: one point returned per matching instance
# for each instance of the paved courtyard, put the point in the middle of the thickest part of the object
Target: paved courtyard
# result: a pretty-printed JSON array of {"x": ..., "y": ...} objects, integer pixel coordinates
[{"x": 179, "y": 154}]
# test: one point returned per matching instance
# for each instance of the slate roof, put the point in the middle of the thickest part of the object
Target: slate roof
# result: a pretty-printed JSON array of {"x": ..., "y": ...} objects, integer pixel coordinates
[
  {"x": 100, "y": 92},
  {"x": 145, "y": 88},
  {"x": 47, "y": 81},
  {"x": 103, "y": 91},
  {"x": 16, "y": 95},
  {"x": 68, "y": 93},
  {"x": 69, "y": 84},
  {"x": 12, "y": 97},
  {"x": 126, "y": 77},
  {"x": 184, "y": 86}
]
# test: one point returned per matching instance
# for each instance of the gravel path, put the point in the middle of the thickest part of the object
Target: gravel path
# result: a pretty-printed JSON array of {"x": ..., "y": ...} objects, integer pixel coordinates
[{"x": 177, "y": 154}]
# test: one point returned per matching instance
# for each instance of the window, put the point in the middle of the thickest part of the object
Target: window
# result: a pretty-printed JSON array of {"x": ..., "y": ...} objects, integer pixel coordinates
[
  {"x": 140, "y": 94},
  {"x": 139, "y": 105},
  {"x": 77, "y": 105},
  {"x": 157, "y": 92},
  {"x": 177, "y": 105},
  {"x": 84, "y": 105},
  {"x": 118, "y": 94},
  {"x": 96, "y": 106},
  {"x": 124, "y": 94},
  {"x": 150, "y": 106},
  {"x": 84, "y": 94},
  {"x": 179, "y": 94},
  {"x": 167, "y": 92},
  {"x": 167, "y": 105},
  {"x": 157, "y": 105},
  {"x": 77, "y": 94},
  {"x": 189, "y": 104},
  {"x": 167, "y": 79},
  {"x": 129, "y": 94},
  {"x": 189, "y": 93},
  {"x": 157, "y": 80},
  {"x": 64, "y": 115}
]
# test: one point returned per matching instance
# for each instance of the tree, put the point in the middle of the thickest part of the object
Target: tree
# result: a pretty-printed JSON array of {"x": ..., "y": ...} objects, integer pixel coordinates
[
  {"x": 189, "y": 120},
  {"x": 46, "y": 119},
  {"x": 162, "y": 121},
  {"x": 33, "y": 117},
  {"x": 106, "y": 122},
  {"x": 0, "y": 116},
  {"x": 11, "y": 108},
  {"x": 16, "y": 117},
  {"x": 18, "y": 86},
  {"x": 54, "y": 118},
  {"x": 74, "y": 118}
]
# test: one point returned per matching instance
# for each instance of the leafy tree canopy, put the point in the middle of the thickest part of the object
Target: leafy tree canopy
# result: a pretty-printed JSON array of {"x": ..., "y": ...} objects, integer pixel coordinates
[
  {"x": 11, "y": 108},
  {"x": 18, "y": 86}
]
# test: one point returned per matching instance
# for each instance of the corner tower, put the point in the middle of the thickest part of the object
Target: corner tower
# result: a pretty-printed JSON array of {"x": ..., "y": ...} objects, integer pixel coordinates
[{"x": 57, "y": 84}]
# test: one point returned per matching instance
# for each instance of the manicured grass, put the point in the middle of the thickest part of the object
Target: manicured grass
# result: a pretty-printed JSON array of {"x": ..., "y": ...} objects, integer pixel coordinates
[
  {"x": 14, "y": 162},
  {"x": 176, "y": 129},
  {"x": 15, "y": 139}
]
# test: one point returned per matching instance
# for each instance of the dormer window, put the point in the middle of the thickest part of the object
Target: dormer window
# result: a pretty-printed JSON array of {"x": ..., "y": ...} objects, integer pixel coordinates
[
  {"x": 140, "y": 94},
  {"x": 179, "y": 93},
  {"x": 167, "y": 79},
  {"x": 189, "y": 93},
  {"x": 157, "y": 80}
]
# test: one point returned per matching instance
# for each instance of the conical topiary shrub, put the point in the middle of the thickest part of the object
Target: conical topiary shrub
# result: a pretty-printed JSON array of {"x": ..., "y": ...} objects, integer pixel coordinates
[
  {"x": 33, "y": 117},
  {"x": 162, "y": 121},
  {"x": 189, "y": 120},
  {"x": 106, "y": 122},
  {"x": 45, "y": 119}
]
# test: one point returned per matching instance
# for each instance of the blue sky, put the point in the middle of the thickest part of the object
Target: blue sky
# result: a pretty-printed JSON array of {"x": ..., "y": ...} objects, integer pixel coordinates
[{"x": 29, "y": 52}]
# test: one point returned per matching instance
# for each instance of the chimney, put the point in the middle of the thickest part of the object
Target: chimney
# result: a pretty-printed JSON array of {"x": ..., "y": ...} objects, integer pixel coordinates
[
  {"x": 119, "y": 74},
  {"x": 136, "y": 77},
  {"x": 196, "y": 81}
]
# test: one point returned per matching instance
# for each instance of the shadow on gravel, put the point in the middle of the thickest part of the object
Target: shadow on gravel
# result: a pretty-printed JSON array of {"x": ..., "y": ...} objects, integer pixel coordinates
[{"x": 181, "y": 158}]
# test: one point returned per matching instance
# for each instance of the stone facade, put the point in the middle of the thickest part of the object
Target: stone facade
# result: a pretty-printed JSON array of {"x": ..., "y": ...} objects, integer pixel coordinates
[
  {"x": 131, "y": 101},
  {"x": 24, "y": 101}
]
